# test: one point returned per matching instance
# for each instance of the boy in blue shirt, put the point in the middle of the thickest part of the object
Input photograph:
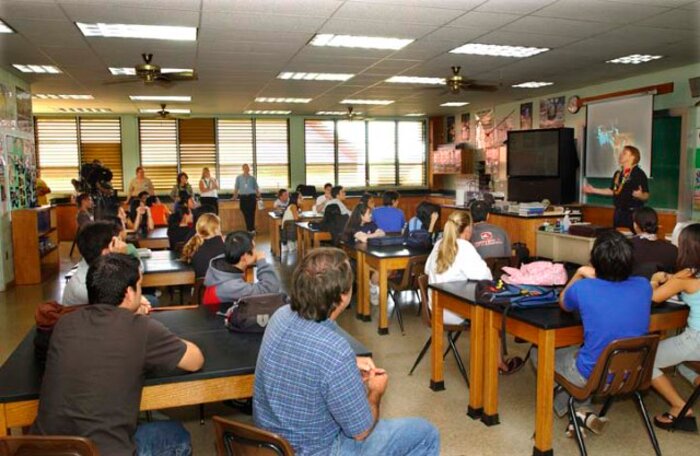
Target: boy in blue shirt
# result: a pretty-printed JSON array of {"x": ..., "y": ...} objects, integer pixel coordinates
[
  {"x": 612, "y": 306},
  {"x": 389, "y": 217}
]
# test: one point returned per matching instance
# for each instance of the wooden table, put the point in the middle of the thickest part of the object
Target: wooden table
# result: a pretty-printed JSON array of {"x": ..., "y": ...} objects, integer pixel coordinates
[
  {"x": 383, "y": 260},
  {"x": 164, "y": 268},
  {"x": 276, "y": 226},
  {"x": 228, "y": 371},
  {"x": 308, "y": 238},
  {"x": 156, "y": 240},
  {"x": 361, "y": 297},
  {"x": 564, "y": 247},
  {"x": 548, "y": 328}
]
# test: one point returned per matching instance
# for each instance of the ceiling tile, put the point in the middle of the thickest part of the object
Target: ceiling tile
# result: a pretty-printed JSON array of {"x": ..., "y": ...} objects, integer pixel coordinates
[
  {"x": 675, "y": 19},
  {"x": 375, "y": 28},
  {"x": 484, "y": 20},
  {"x": 513, "y": 6},
  {"x": 296, "y": 7},
  {"x": 527, "y": 39},
  {"x": 28, "y": 9},
  {"x": 462, "y": 5},
  {"x": 270, "y": 23},
  {"x": 553, "y": 26},
  {"x": 600, "y": 11},
  {"x": 396, "y": 13},
  {"x": 190, "y": 5},
  {"x": 43, "y": 32},
  {"x": 456, "y": 35}
]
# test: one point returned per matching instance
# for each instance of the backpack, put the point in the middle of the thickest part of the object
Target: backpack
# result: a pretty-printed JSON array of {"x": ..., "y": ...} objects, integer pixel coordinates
[
  {"x": 333, "y": 222},
  {"x": 384, "y": 241},
  {"x": 250, "y": 314},
  {"x": 46, "y": 316},
  {"x": 419, "y": 238}
]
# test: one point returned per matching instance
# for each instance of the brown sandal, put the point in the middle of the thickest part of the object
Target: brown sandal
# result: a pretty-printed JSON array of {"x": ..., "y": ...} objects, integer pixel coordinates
[{"x": 513, "y": 365}]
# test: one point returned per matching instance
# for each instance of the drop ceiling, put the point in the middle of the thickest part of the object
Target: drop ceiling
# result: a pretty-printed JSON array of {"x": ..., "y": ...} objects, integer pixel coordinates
[{"x": 243, "y": 44}]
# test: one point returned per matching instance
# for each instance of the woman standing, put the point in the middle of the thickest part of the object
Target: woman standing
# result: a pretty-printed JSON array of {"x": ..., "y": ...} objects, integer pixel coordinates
[
  {"x": 182, "y": 186},
  {"x": 247, "y": 187},
  {"x": 629, "y": 188},
  {"x": 139, "y": 184},
  {"x": 208, "y": 191}
]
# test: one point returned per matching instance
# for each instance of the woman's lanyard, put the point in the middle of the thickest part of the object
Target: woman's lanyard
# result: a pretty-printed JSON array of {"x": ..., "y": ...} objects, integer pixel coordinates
[
  {"x": 621, "y": 178},
  {"x": 207, "y": 183}
]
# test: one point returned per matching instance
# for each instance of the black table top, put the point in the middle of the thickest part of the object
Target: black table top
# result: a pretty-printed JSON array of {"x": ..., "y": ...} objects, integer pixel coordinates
[
  {"x": 158, "y": 233},
  {"x": 389, "y": 251},
  {"x": 305, "y": 226},
  {"x": 164, "y": 261},
  {"x": 545, "y": 317},
  {"x": 226, "y": 354}
]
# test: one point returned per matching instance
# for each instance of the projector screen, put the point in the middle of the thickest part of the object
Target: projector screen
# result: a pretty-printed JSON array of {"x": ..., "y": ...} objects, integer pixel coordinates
[{"x": 611, "y": 125}]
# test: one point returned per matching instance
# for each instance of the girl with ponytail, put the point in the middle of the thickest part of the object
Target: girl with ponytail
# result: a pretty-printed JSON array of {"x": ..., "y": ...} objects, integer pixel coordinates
[{"x": 205, "y": 244}]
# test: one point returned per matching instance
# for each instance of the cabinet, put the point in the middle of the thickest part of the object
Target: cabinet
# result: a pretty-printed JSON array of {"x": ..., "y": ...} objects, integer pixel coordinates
[{"x": 35, "y": 244}]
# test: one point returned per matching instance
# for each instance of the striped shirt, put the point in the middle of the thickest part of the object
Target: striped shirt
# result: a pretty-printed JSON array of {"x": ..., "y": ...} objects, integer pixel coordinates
[{"x": 308, "y": 388}]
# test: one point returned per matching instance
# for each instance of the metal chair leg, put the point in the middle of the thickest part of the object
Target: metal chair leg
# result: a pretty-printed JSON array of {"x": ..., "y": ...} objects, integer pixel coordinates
[
  {"x": 421, "y": 354},
  {"x": 397, "y": 310},
  {"x": 458, "y": 358},
  {"x": 647, "y": 423},
  {"x": 690, "y": 402},
  {"x": 201, "y": 414},
  {"x": 606, "y": 407},
  {"x": 577, "y": 428},
  {"x": 454, "y": 339}
]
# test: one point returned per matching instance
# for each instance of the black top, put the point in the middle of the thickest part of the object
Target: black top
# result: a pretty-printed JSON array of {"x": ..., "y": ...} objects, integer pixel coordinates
[
  {"x": 211, "y": 248},
  {"x": 660, "y": 254},
  {"x": 95, "y": 368},
  {"x": 390, "y": 251},
  {"x": 164, "y": 261},
  {"x": 179, "y": 235},
  {"x": 623, "y": 187}
]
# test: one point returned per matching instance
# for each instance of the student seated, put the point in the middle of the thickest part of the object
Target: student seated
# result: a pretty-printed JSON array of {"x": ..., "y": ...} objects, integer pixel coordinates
[
  {"x": 389, "y": 217},
  {"x": 291, "y": 214},
  {"x": 84, "y": 215},
  {"x": 140, "y": 218},
  {"x": 206, "y": 244},
  {"x": 282, "y": 200},
  {"x": 225, "y": 278},
  {"x": 360, "y": 227},
  {"x": 96, "y": 363},
  {"x": 427, "y": 215},
  {"x": 337, "y": 198},
  {"x": 368, "y": 199},
  {"x": 121, "y": 233},
  {"x": 686, "y": 346},
  {"x": 650, "y": 254},
  {"x": 94, "y": 239},
  {"x": 179, "y": 227},
  {"x": 612, "y": 304},
  {"x": 490, "y": 241},
  {"x": 311, "y": 389},
  {"x": 324, "y": 198}
]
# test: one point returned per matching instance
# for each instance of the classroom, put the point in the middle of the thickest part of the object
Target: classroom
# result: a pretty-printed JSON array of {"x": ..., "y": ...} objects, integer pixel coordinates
[{"x": 344, "y": 227}]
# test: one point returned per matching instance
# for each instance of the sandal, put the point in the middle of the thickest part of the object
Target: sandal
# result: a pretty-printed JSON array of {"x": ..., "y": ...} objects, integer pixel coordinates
[
  {"x": 672, "y": 423},
  {"x": 513, "y": 365}
]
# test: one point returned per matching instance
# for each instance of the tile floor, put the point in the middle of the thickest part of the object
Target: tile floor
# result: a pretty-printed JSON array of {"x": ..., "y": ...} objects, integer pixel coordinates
[{"x": 407, "y": 395}]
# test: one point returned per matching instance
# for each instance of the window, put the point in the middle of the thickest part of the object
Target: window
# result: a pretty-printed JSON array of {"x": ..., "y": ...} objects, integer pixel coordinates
[
  {"x": 158, "y": 138},
  {"x": 261, "y": 143},
  {"x": 382, "y": 153},
  {"x": 63, "y": 144},
  {"x": 197, "y": 148}
]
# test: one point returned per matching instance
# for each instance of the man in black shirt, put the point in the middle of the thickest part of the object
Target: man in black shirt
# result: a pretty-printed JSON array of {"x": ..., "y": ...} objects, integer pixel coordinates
[
  {"x": 629, "y": 188},
  {"x": 97, "y": 360}
]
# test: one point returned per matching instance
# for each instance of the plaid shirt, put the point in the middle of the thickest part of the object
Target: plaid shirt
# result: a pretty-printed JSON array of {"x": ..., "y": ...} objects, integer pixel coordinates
[{"x": 308, "y": 388}]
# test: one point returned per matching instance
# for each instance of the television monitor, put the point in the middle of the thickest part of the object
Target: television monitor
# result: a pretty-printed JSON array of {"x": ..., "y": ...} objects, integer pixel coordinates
[{"x": 533, "y": 153}]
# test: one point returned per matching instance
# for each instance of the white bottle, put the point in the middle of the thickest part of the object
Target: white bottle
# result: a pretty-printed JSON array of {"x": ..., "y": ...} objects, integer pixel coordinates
[{"x": 566, "y": 223}]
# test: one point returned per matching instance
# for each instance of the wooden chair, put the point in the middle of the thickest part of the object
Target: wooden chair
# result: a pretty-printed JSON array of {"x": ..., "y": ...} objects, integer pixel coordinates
[
  {"x": 238, "y": 439},
  {"x": 40, "y": 445},
  {"x": 695, "y": 365},
  {"x": 406, "y": 281},
  {"x": 198, "y": 292},
  {"x": 453, "y": 332},
  {"x": 623, "y": 368}
]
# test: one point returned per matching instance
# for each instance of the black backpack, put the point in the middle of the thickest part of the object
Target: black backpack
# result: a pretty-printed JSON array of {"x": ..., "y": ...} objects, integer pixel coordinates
[{"x": 334, "y": 222}]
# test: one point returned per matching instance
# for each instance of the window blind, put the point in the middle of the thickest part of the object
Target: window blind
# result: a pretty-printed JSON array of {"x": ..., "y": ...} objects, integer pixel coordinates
[
  {"x": 272, "y": 153},
  {"x": 101, "y": 139},
  {"x": 235, "y": 148},
  {"x": 411, "y": 153},
  {"x": 197, "y": 148},
  {"x": 351, "y": 153},
  {"x": 158, "y": 140},
  {"x": 381, "y": 150},
  {"x": 58, "y": 152},
  {"x": 319, "y": 140}
]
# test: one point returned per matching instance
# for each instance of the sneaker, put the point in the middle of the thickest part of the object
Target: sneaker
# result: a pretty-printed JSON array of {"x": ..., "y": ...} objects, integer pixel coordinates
[
  {"x": 374, "y": 294},
  {"x": 285, "y": 248},
  {"x": 292, "y": 246}
]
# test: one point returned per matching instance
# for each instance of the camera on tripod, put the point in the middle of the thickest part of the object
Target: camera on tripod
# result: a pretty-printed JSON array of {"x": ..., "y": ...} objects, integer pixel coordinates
[{"x": 96, "y": 181}]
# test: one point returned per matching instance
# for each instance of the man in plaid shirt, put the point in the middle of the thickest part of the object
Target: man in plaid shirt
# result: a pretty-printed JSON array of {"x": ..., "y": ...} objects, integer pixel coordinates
[{"x": 311, "y": 389}]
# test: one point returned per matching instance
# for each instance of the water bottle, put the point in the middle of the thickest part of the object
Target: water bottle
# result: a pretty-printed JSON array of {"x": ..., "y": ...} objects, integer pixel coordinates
[{"x": 566, "y": 223}]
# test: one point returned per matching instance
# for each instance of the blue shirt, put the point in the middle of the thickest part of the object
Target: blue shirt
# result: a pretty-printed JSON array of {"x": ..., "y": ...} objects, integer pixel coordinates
[
  {"x": 609, "y": 311},
  {"x": 693, "y": 301},
  {"x": 308, "y": 388},
  {"x": 389, "y": 218},
  {"x": 246, "y": 185}
]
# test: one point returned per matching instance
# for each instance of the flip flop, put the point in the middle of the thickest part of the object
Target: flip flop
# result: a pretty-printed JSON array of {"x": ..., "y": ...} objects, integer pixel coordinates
[
  {"x": 672, "y": 423},
  {"x": 513, "y": 365}
]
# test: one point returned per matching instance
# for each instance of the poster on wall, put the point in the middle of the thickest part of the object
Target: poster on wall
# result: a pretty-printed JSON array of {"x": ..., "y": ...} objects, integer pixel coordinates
[
  {"x": 24, "y": 109},
  {"x": 503, "y": 127},
  {"x": 450, "y": 129},
  {"x": 3, "y": 186},
  {"x": 21, "y": 172},
  {"x": 484, "y": 125},
  {"x": 7, "y": 107},
  {"x": 465, "y": 127},
  {"x": 696, "y": 187},
  {"x": 526, "y": 116},
  {"x": 552, "y": 112}
]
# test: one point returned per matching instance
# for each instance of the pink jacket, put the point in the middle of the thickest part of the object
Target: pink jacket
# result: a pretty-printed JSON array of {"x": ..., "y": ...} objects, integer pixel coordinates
[{"x": 536, "y": 273}]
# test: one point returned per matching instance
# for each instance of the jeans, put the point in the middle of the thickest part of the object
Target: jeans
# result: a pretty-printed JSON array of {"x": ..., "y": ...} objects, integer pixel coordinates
[
  {"x": 397, "y": 437},
  {"x": 565, "y": 365},
  {"x": 162, "y": 438},
  {"x": 248, "y": 206},
  {"x": 675, "y": 350}
]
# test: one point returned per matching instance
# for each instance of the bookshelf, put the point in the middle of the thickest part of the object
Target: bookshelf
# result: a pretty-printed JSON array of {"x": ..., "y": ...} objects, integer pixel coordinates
[{"x": 35, "y": 244}]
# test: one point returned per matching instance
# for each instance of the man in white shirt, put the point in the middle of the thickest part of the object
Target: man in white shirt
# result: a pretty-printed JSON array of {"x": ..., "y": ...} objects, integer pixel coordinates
[
  {"x": 337, "y": 197},
  {"x": 322, "y": 200},
  {"x": 282, "y": 200}
]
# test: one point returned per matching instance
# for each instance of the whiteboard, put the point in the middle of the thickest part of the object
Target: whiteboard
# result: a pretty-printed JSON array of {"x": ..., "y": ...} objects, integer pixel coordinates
[{"x": 611, "y": 125}]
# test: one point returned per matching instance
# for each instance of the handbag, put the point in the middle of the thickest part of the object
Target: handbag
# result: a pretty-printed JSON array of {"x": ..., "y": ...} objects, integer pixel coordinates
[
  {"x": 386, "y": 241},
  {"x": 250, "y": 314},
  {"x": 419, "y": 238}
]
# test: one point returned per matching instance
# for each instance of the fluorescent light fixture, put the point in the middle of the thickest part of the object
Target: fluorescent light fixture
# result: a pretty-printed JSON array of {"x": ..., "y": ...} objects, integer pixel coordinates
[
  {"x": 54, "y": 96},
  {"x": 314, "y": 76},
  {"x": 635, "y": 59},
  {"x": 335, "y": 113},
  {"x": 415, "y": 114},
  {"x": 415, "y": 80},
  {"x": 367, "y": 102},
  {"x": 84, "y": 110},
  {"x": 455, "y": 103},
  {"x": 130, "y": 71},
  {"x": 364, "y": 42},
  {"x": 171, "y": 111},
  {"x": 532, "y": 85},
  {"x": 497, "y": 50},
  {"x": 267, "y": 111},
  {"x": 50, "y": 69},
  {"x": 281, "y": 100},
  {"x": 151, "y": 32},
  {"x": 160, "y": 98},
  {"x": 4, "y": 28}
]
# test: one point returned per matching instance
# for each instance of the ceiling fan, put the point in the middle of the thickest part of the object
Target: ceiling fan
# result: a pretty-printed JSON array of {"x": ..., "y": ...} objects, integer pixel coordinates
[
  {"x": 456, "y": 83},
  {"x": 165, "y": 114},
  {"x": 351, "y": 115},
  {"x": 150, "y": 73}
]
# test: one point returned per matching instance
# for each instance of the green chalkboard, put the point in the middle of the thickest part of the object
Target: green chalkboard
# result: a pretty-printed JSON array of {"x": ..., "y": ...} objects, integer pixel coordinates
[{"x": 665, "y": 166}]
